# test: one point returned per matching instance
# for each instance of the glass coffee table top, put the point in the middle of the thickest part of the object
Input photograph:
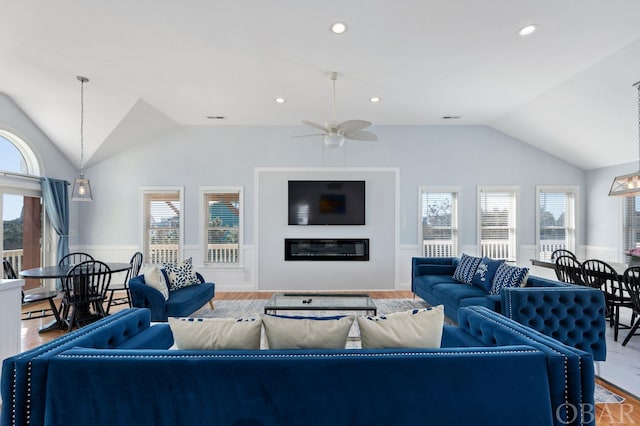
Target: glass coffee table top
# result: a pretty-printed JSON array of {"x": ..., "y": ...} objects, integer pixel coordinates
[{"x": 320, "y": 302}]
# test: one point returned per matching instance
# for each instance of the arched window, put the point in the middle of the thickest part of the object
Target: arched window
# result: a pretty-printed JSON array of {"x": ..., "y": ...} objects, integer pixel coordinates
[
  {"x": 23, "y": 233},
  {"x": 16, "y": 156}
]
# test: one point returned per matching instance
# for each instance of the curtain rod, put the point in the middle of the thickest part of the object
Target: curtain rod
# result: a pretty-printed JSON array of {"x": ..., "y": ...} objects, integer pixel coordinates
[{"x": 22, "y": 175}]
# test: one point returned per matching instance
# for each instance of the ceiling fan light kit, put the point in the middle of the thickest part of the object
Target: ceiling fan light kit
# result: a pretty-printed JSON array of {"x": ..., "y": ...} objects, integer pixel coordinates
[
  {"x": 629, "y": 185},
  {"x": 335, "y": 133}
]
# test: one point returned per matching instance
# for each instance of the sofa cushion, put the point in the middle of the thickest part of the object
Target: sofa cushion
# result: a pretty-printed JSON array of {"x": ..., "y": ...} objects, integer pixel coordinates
[
  {"x": 181, "y": 274},
  {"x": 153, "y": 277},
  {"x": 417, "y": 328},
  {"x": 185, "y": 301},
  {"x": 508, "y": 276},
  {"x": 466, "y": 269},
  {"x": 284, "y": 332},
  {"x": 485, "y": 272},
  {"x": 216, "y": 333},
  {"x": 455, "y": 292}
]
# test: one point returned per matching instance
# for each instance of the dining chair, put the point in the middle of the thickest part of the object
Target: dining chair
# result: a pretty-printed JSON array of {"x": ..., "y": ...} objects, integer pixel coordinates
[
  {"x": 136, "y": 263},
  {"x": 562, "y": 252},
  {"x": 599, "y": 274},
  {"x": 28, "y": 299},
  {"x": 84, "y": 292},
  {"x": 569, "y": 270},
  {"x": 74, "y": 258},
  {"x": 632, "y": 283}
]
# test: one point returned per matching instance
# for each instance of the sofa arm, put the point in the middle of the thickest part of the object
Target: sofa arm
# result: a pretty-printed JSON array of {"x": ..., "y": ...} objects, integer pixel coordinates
[
  {"x": 572, "y": 315},
  {"x": 433, "y": 266},
  {"x": 144, "y": 296}
]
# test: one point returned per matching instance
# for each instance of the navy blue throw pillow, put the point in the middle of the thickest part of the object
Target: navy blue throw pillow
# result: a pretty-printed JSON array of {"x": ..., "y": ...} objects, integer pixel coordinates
[
  {"x": 466, "y": 268},
  {"x": 487, "y": 268},
  {"x": 508, "y": 276}
]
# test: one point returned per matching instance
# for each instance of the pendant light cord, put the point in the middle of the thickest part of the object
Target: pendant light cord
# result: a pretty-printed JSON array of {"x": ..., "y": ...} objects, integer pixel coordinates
[{"x": 82, "y": 80}]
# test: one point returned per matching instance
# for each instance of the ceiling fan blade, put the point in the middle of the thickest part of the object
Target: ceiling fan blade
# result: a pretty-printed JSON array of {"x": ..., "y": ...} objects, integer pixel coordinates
[
  {"x": 306, "y": 136},
  {"x": 315, "y": 125},
  {"x": 361, "y": 135},
  {"x": 351, "y": 126}
]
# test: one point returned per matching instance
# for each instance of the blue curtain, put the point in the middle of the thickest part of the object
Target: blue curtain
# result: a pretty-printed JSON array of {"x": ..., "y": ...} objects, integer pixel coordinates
[{"x": 55, "y": 194}]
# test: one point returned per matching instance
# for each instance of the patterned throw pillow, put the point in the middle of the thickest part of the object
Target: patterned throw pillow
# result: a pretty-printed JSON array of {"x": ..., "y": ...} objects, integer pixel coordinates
[
  {"x": 508, "y": 276},
  {"x": 181, "y": 274},
  {"x": 466, "y": 269},
  {"x": 487, "y": 268}
]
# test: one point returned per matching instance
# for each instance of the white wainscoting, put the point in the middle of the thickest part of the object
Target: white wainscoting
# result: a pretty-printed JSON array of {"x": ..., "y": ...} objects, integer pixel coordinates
[{"x": 227, "y": 278}]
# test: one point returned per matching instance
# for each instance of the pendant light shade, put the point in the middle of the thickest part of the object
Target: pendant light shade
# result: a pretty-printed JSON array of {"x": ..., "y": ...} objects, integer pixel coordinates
[
  {"x": 629, "y": 185},
  {"x": 81, "y": 186}
]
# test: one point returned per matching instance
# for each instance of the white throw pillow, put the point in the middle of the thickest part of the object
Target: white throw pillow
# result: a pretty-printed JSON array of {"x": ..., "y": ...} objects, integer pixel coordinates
[
  {"x": 153, "y": 277},
  {"x": 216, "y": 333},
  {"x": 418, "y": 328},
  {"x": 307, "y": 332}
]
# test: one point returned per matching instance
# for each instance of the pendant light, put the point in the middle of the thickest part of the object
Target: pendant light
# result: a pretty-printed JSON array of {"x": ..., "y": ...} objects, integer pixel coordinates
[
  {"x": 629, "y": 185},
  {"x": 81, "y": 186}
]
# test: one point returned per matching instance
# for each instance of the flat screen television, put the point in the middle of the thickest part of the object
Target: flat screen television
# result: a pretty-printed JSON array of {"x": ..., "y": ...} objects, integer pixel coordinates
[{"x": 324, "y": 202}]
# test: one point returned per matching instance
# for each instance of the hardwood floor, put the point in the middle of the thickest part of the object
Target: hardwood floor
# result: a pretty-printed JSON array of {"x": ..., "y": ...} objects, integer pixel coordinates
[{"x": 626, "y": 413}]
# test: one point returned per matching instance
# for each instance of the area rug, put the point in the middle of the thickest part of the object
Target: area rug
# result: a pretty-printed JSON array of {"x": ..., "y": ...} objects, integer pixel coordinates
[{"x": 253, "y": 308}]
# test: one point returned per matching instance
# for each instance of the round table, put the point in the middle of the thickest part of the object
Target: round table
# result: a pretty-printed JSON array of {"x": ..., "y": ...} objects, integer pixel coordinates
[{"x": 58, "y": 271}]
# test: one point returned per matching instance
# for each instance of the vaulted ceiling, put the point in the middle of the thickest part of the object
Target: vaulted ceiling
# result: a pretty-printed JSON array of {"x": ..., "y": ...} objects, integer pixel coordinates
[{"x": 153, "y": 64}]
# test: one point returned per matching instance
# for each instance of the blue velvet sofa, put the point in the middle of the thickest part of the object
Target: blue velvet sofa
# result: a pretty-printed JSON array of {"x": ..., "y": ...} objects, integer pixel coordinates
[
  {"x": 108, "y": 373},
  {"x": 182, "y": 302},
  {"x": 571, "y": 314}
]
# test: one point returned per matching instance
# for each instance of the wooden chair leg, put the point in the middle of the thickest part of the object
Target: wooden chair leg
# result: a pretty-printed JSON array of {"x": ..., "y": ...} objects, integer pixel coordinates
[
  {"x": 632, "y": 332},
  {"x": 211, "y": 304}
]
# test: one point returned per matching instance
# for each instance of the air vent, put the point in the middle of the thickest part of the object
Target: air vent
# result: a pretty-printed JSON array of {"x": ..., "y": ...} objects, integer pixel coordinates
[
  {"x": 450, "y": 117},
  {"x": 216, "y": 117}
]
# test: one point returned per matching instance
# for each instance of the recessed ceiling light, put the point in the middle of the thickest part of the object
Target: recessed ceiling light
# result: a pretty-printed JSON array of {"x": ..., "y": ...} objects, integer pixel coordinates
[
  {"x": 280, "y": 100},
  {"x": 375, "y": 99},
  {"x": 338, "y": 27},
  {"x": 527, "y": 29}
]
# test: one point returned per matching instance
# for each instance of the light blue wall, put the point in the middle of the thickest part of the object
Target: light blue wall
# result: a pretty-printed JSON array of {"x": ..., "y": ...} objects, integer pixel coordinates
[
  {"x": 605, "y": 218},
  {"x": 52, "y": 162},
  {"x": 465, "y": 156}
]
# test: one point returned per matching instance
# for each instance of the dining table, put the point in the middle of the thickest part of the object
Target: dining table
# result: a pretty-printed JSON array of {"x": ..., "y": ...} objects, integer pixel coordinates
[
  {"x": 61, "y": 271},
  {"x": 547, "y": 263}
]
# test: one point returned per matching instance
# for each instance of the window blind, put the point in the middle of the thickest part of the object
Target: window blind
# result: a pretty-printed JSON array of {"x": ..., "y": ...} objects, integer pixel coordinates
[
  {"x": 631, "y": 222},
  {"x": 556, "y": 223},
  {"x": 222, "y": 228},
  {"x": 161, "y": 222},
  {"x": 439, "y": 224},
  {"x": 497, "y": 212}
]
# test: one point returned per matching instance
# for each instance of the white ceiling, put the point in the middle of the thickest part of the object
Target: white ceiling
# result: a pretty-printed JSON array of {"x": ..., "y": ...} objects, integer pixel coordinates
[{"x": 566, "y": 89}]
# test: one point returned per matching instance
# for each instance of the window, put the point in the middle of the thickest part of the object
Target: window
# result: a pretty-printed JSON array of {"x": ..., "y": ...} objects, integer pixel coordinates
[
  {"x": 631, "y": 222},
  {"x": 162, "y": 224},
  {"x": 556, "y": 220},
  {"x": 222, "y": 222},
  {"x": 438, "y": 222},
  {"x": 497, "y": 222}
]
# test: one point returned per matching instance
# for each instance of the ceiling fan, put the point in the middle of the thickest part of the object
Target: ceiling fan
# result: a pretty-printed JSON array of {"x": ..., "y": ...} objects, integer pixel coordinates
[{"x": 335, "y": 133}]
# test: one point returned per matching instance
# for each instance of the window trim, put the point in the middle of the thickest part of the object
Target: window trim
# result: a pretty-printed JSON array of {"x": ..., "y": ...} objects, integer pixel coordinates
[
  {"x": 565, "y": 189},
  {"x": 203, "y": 223},
  {"x": 160, "y": 190},
  {"x": 456, "y": 219},
  {"x": 508, "y": 188}
]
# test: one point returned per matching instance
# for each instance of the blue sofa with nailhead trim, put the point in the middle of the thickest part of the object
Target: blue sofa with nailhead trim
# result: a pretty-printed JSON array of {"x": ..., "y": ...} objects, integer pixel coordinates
[
  {"x": 572, "y": 314},
  {"x": 489, "y": 370}
]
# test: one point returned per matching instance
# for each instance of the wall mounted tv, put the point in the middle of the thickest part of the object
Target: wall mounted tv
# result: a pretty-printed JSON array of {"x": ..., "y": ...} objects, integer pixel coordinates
[{"x": 324, "y": 202}]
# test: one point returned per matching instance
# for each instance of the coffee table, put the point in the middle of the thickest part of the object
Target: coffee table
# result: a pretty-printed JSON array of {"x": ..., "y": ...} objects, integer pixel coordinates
[{"x": 320, "y": 302}]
